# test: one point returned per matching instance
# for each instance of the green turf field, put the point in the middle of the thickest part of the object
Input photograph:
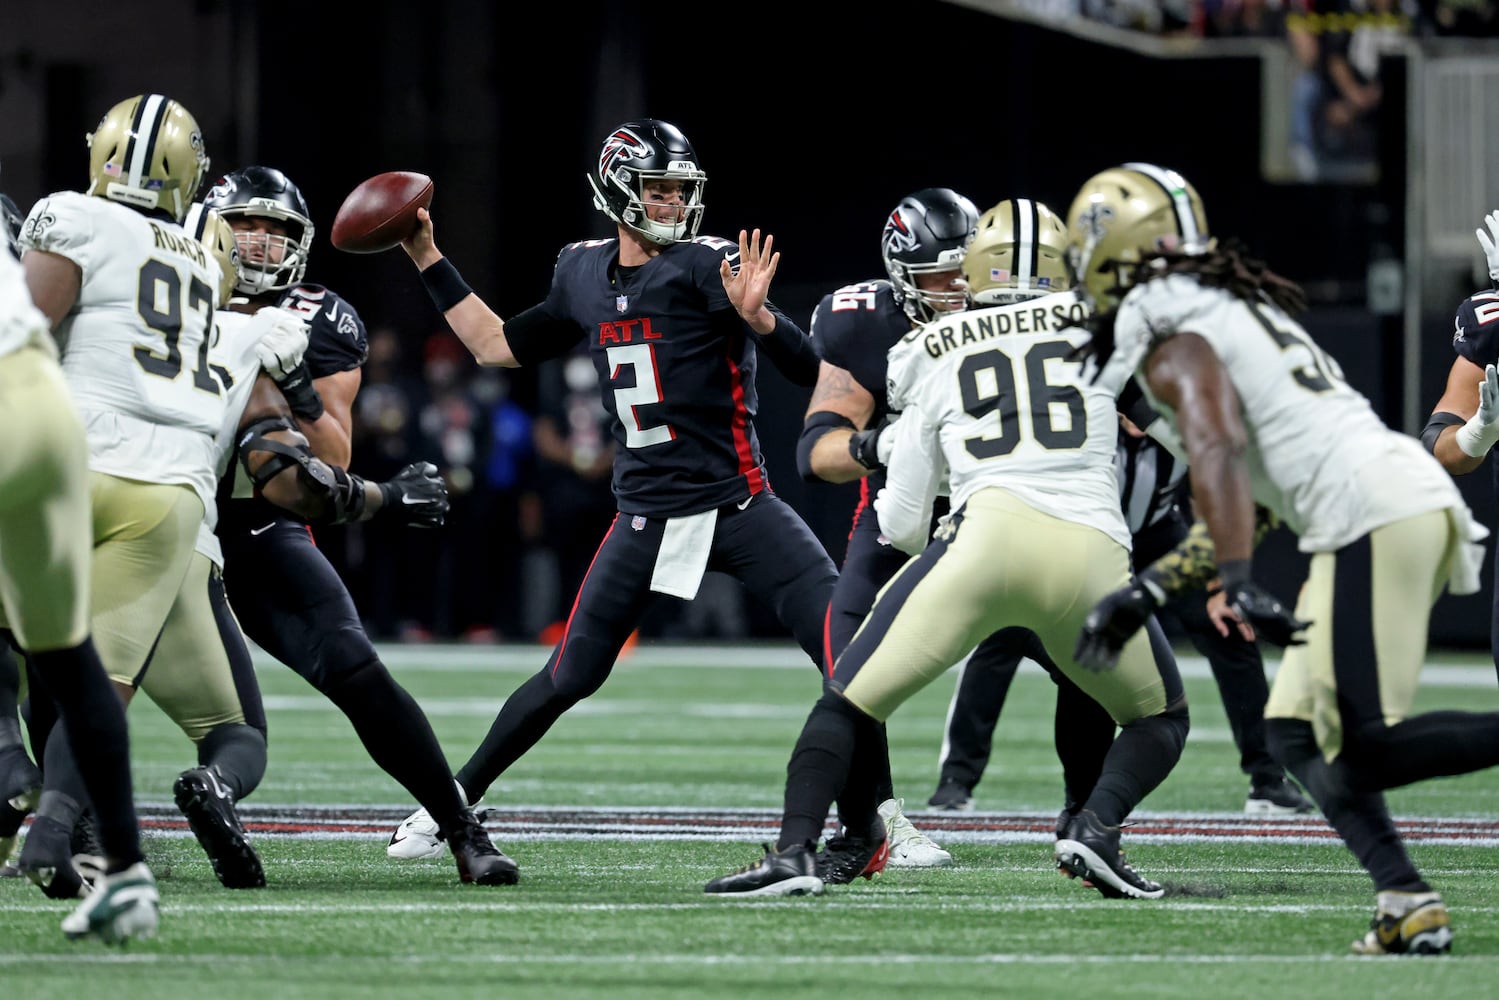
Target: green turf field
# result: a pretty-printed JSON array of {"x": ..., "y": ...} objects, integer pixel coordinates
[{"x": 671, "y": 775}]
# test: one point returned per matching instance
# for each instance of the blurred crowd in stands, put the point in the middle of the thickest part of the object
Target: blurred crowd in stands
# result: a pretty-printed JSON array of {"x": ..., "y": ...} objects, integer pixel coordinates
[{"x": 1337, "y": 47}]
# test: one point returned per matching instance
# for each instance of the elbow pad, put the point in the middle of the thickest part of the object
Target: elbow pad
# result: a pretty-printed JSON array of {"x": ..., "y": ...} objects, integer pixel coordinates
[
  {"x": 1433, "y": 428},
  {"x": 342, "y": 493},
  {"x": 818, "y": 424}
]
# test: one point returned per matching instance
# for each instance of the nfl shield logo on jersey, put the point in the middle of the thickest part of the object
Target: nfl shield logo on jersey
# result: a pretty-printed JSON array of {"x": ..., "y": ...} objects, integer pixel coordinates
[
  {"x": 637, "y": 522},
  {"x": 621, "y": 303}
]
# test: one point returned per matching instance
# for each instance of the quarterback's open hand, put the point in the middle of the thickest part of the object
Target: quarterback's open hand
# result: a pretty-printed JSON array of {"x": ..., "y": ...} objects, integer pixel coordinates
[
  {"x": 1271, "y": 620},
  {"x": 416, "y": 496},
  {"x": 748, "y": 284},
  {"x": 1490, "y": 243},
  {"x": 1110, "y": 624}
]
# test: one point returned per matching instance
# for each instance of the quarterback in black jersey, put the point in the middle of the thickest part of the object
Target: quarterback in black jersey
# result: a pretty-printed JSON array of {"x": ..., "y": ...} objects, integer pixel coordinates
[
  {"x": 674, "y": 323},
  {"x": 285, "y": 593},
  {"x": 1464, "y": 424}
]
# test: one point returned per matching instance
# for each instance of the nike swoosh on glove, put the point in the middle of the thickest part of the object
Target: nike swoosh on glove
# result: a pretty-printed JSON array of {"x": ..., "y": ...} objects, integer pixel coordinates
[{"x": 416, "y": 496}]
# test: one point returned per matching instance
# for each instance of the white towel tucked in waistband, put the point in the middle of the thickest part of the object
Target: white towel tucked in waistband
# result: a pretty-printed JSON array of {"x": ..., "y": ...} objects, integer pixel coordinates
[{"x": 683, "y": 557}]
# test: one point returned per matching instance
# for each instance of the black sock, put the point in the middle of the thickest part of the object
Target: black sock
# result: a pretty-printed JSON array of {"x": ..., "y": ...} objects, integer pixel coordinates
[
  {"x": 1433, "y": 745},
  {"x": 819, "y": 770},
  {"x": 238, "y": 753},
  {"x": 1083, "y": 732},
  {"x": 1362, "y": 819},
  {"x": 97, "y": 742},
  {"x": 1142, "y": 756},
  {"x": 399, "y": 738},
  {"x": 524, "y": 719},
  {"x": 10, "y": 694}
]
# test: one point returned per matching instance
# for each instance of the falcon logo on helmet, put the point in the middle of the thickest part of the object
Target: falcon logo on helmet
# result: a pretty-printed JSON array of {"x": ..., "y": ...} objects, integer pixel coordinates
[
  {"x": 641, "y": 152},
  {"x": 927, "y": 233},
  {"x": 623, "y": 145}
]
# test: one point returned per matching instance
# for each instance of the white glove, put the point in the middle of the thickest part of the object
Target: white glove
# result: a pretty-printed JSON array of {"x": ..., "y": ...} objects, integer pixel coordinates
[
  {"x": 282, "y": 341},
  {"x": 1478, "y": 435},
  {"x": 1490, "y": 243}
]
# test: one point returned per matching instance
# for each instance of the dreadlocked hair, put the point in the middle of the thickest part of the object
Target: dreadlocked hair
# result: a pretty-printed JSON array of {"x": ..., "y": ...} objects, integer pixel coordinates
[{"x": 1228, "y": 266}]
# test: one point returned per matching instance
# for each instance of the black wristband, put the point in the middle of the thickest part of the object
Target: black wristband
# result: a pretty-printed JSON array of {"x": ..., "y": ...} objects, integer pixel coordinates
[
  {"x": 445, "y": 285},
  {"x": 301, "y": 395},
  {"x": 863, "y": 447},
  {"x": 1233, "y": 572}
]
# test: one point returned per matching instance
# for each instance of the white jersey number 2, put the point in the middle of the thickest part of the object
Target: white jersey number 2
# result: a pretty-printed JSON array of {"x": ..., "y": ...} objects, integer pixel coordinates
[{"x": 646, "y": 391}]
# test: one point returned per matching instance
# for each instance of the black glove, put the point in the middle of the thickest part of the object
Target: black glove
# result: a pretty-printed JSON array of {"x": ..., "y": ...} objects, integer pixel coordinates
[
  {"x": 864, "y": 445},
  {"x": 1110, "y": 624},
  {"x": 301, "y": 395},
  {"x": 1271, "y": 620},
  {"x": 416, "y": 496}
]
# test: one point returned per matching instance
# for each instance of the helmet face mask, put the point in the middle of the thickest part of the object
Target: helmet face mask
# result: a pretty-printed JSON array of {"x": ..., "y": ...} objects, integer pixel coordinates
[
  {"x": 217, "y": 236},
  {"x": 927, "y": 233},
  {"x": 1020, "y": 252},
  {"x": 1125, "y": 214},
  {"x": 634, "y": 158},
  {"x": 147, "y": 152},
  {"x": 269, "y": 261}
]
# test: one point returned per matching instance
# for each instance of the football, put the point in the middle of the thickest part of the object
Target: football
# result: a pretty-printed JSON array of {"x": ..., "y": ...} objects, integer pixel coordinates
[{"x": 381, "y": 212}]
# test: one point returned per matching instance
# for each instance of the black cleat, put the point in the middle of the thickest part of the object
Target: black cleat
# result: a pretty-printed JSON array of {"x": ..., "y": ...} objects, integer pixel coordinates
[
  {"x": 20, "y": 780},
  {"x": 209, "y": 807},
  {"x": 479, "y": 861},
  {"x": 1090, "y": 851},
  {"x": 952, "y": 795},
  {"x": 1277, "y": 798},
  {"x": 844, "y": 858},
  {"x": 46, "y": 860},
  {"x": 792, "y": 872}
]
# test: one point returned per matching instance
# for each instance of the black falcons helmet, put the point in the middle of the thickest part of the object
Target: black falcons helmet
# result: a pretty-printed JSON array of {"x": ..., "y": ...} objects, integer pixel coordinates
[
  {"x": 928, "y": 231},
  {"x": 268, "y": 193},
  {"x": 642, "y": 150}
]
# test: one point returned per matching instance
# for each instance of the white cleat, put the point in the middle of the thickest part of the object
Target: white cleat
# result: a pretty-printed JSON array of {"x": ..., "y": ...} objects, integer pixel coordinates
[
  {"x": 122, "y": 906},
  {"x": 909, "y": 847},
  {"x": 417, "y": 837}
]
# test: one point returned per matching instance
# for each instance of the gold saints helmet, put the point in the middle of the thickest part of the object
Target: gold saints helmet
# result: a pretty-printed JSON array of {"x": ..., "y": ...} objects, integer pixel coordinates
[
  {"x": 1019, "y": 252},
  {"x": 147, "y": 152},
  {"x": 214, "y": 232},
  {"x": 1125, "y": 214}
]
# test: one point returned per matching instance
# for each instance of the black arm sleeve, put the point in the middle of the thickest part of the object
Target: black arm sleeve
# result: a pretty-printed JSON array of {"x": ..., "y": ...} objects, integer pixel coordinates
[
  {"x": 1433, "y": 428},
  {"x": 818, "y": 424},
  {"x": 791, "y": 350},
  {"x": 536, "y": 335}
]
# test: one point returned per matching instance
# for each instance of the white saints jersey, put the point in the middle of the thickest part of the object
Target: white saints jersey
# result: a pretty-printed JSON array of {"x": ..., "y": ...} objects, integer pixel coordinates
[
  {"x": 237, "y": 365},
  {"x": 1319, "y": 456},
  {"x": 995, "y": 397},
  {"x": 21, "y": 323},
  {"x": 135, "y": 347}
]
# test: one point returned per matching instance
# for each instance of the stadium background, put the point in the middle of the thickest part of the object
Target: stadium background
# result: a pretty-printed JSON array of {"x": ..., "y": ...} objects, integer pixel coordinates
[{"x": 811, "y": 120}]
